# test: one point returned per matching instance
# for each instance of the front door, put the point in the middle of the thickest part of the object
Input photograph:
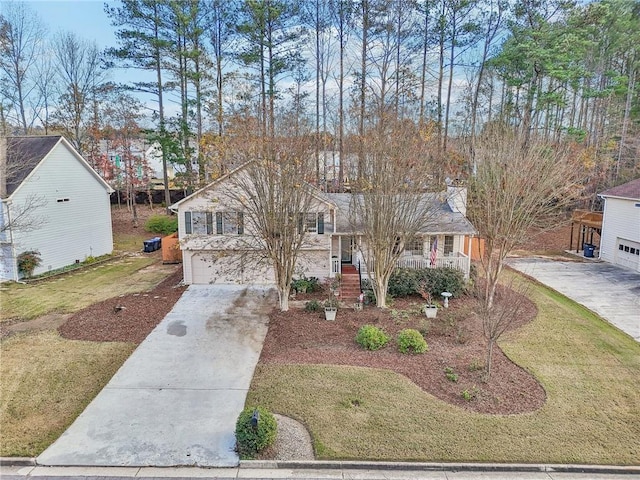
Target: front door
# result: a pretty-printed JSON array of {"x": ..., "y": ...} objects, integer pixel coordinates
[{"x": 346, "y": 247}]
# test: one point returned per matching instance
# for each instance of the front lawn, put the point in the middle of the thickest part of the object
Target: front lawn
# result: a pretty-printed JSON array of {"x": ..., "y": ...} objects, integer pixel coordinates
[
  {"x": 589, "y": 371},
  {"x": 73, "y": 291},
  {"x": 47, "y": 382}
]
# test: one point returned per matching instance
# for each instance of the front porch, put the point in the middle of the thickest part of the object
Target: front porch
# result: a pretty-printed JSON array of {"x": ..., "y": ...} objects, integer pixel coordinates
[{"x": 346, "y": 262}]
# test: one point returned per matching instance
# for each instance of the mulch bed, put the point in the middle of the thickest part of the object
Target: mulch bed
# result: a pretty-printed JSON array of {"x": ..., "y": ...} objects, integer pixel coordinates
[
  {"x": 455, "y": 341},
  {"x": 128, "y": 318}
]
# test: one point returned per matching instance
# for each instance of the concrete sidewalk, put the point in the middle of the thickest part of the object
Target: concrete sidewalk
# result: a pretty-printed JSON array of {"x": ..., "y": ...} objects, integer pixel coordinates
[
  {"x": 176, "y": 399},
  {"x": 338, "y": 471},
  {"x": 610, "y": 291}
]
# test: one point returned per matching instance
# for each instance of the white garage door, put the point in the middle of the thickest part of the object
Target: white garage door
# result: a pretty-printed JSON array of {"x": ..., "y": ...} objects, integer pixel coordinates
[
  {"x": 208, "y": 268},
  {"x": 628, "y": 254}
]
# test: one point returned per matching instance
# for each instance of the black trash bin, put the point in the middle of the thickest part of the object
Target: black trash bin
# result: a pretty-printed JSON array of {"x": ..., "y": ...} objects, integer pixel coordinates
[
  {"x": 157, "y": 242},
  {"x": 149, "y": 246},
  {"x": 588, "y": 250}
]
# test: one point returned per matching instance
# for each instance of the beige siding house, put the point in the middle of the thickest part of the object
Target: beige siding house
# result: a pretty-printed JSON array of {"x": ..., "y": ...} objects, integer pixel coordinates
[{"x": 214, "y": 236}]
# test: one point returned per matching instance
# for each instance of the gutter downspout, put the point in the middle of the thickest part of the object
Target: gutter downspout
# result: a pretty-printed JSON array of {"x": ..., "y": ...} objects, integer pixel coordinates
[{"x": 14, "y": 258}]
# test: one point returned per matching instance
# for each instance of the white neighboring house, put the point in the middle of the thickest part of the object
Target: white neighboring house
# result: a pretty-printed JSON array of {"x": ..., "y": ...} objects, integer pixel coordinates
[
  {"x": 620, "y": 241},
  {"x": 213, "y": 235},
  {"x": 52, "y": 202}
]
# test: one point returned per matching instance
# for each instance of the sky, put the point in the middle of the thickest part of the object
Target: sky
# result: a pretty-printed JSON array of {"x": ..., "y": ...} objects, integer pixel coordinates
[{"x": 84, "y": 17}]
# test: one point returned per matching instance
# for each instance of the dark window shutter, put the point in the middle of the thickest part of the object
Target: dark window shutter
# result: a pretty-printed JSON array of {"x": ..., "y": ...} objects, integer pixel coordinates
[
  {"x": 300, "y": 222},
  {"x": 187, "y": 222},
  {"x": 240, "y": 223},
  {"x": 219, "y": 223},
  {"x": 320, "y": 223},
  {"x": 209, "y": 223}
]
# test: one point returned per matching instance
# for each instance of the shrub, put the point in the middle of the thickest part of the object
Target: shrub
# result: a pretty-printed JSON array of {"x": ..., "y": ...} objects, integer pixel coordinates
[
  {"x": 406, "y": 281},
  {"x": 305, "y": 285},
  {"x": 469, "y": 395},
  {"x": 450, "y": 374},
  {"x": 371, "y": 338},
  {"x": 403, "y": 282},
  {"x": 313, "y": 306},
  {"x": 252, "y": 440},
  {"x": 162, "y": 224},
  {"x": 28, "y": 261},
  {"x": 411, "y": 341}
]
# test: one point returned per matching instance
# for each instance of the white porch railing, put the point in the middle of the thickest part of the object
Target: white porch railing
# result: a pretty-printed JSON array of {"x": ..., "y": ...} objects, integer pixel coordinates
[
  {"x": 335, "y": 266},
  {"x": 460, "y": 262}
]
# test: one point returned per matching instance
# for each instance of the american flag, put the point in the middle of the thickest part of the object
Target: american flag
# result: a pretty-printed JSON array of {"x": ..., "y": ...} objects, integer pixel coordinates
[{"x": 434, "y": 252}]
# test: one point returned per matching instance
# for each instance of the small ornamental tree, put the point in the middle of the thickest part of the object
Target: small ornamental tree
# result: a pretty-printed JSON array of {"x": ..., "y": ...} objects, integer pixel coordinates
[{"x": 28, "y": 261}]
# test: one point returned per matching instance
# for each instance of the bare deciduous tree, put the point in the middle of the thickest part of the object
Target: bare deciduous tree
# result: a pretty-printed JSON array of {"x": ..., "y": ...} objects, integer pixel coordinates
[
  {"x": 21, "y": 36},
  {"x": 391, "y": 205},
  {"x": 519, "y": 185},
  {"x": 272, "y": 192},
  {"x": 509, "y": 304}
]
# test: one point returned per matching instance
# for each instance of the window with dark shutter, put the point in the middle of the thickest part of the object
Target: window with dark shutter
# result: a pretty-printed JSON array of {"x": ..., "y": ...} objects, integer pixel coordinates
[
  {"x": 240, "y": 223},
  {"x": 209, "y": 223},
  {"x": 219, "y": 223},
  {"x": 187, "y": 222},
  {"x": 320, "y": 223}
]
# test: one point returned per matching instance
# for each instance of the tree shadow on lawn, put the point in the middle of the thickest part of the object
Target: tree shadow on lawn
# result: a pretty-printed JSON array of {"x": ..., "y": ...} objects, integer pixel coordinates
[{"x": 451, "y": 370}]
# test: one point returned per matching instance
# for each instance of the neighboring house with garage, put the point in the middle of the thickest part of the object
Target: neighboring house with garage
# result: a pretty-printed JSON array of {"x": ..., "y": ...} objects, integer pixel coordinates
[
  {"x": 620, "y": 240},
  {"x": 214, "y": 233},
  {"x": 52, "y": 202}
]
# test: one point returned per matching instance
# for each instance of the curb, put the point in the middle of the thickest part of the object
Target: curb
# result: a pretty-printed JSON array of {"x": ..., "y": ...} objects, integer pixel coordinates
[
  {"x": 427, "y": 466},
  {"x": 17, "y": 462},
  {"x": 391, "y": 466}
]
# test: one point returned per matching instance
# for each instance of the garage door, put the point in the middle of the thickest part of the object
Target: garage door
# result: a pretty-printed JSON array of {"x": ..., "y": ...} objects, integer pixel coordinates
[
  {"x": 628, "y": 254},
  {"x": 208, "y": 268}
]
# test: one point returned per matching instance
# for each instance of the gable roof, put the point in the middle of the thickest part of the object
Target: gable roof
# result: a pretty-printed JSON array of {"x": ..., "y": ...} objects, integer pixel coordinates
[
  {"x": 443, "y": 219},
  {"x": 24, "y": 154},
  {"x": 629, "y": 190},
  {"x": 313, "y": 191}
]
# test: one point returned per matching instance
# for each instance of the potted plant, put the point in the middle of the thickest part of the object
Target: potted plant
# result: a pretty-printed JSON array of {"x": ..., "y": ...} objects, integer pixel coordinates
[
  {"x": 430, "y": 308},
  {"x": 331, "y": 308}
]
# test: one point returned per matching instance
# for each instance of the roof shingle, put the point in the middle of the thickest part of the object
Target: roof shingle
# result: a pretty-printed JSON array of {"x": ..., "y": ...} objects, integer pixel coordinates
[
  {"x": 23, "y": 155},
  {"x": 630, "y": 190}
]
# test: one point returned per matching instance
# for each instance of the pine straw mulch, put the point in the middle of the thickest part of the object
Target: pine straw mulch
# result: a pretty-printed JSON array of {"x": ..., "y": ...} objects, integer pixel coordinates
[
  {"x": 127, "y": 318},
  {"x": 455, "y": 341}
]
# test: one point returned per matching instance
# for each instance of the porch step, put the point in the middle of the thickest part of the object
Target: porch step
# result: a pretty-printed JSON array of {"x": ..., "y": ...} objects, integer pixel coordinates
[
  {"x": 350, "y": 285},
  {"x": 349, "y": 270}
]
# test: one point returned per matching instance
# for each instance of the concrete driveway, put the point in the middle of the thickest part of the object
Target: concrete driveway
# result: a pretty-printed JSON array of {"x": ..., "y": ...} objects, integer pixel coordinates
[
  {"x": 176, "y": 399},
  {"x": 610, "y": 291}
]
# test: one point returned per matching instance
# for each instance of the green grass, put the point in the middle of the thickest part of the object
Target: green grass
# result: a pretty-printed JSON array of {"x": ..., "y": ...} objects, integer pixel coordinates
[
  {"x": 76, "y": 290},
  {"x": 47, "y": 382},
  {"x": 124, "y": 242},
  {"x": 589, "y": 369}
]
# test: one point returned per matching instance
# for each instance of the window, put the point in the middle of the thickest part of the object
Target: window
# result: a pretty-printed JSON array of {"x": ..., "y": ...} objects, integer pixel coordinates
[
  {"x": 199, "y": 223},
  {"x": 229, "y": 223},
  {"x": 311, "y": 223},
  {"x": 448, "y": 244},
  {"x": 415, "y": 248}
]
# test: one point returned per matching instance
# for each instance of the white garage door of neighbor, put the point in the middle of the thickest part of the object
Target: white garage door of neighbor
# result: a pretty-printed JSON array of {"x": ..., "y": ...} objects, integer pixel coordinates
[
  {"x": 207, "y": 269},
  {"x": 628, "y": 254}
]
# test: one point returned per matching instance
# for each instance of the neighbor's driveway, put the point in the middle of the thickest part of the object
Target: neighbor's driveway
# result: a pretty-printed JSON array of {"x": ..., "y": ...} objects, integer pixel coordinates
[
  {"x": 610, "y": 291},
  {"x": 176, "y": 399}
]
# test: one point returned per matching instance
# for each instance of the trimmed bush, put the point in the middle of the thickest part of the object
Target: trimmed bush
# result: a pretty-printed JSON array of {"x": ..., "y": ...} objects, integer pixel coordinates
[
  {"x": 371, "y": 338},
  {"x": 411, "y": 341},
  {"x": 162, "y": 224},
  {"x": 313, "y": 306},
  {"x": 252, "y": 440},
  {"x": 405, "y": 281}
]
